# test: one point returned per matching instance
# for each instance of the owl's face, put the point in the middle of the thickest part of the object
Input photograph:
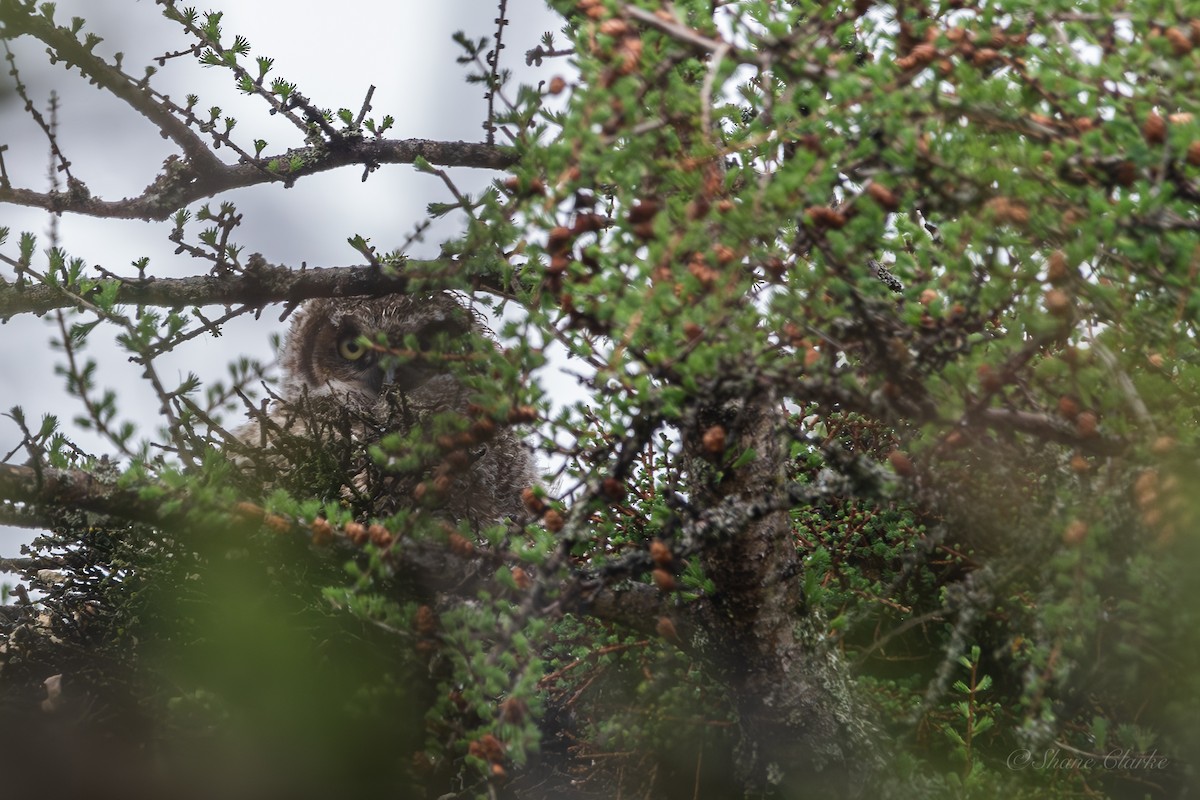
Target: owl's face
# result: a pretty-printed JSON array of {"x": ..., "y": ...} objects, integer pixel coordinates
[
  {"x": 367, "y": 381},
  {"x": 360, "y": 348}
]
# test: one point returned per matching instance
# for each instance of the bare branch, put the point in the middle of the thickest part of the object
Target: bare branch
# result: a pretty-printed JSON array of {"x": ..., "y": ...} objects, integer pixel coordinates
[
  {"x": 260, "y": 284},
  {"x": 182, "y": 182},
  {"x": 1050, "y": 429}
]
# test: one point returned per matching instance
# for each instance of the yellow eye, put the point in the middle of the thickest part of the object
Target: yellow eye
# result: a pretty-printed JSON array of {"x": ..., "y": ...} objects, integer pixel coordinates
[{"x": 351, "y": 349}]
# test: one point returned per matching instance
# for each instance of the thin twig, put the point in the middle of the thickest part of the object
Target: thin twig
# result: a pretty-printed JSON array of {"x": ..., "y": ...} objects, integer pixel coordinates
[
  {"x": 493, "y": 81},
  {"x": 366, "y": 106},
  {"x": 706, "y": 88},
  {"x": 76, "y": 376}
]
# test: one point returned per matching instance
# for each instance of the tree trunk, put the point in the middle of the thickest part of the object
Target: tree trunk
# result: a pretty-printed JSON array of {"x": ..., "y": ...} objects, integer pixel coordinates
[{"x": 800, "y": 728}]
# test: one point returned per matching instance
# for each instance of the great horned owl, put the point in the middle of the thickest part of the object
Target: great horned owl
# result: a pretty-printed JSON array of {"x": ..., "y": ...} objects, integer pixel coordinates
[{"x": 375, "y": 410}]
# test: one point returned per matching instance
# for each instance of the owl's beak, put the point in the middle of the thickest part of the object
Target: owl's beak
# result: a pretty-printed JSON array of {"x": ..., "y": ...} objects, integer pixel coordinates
[
  {"x": 380, "y": 379},
  {"x": 404, "y": 377}
]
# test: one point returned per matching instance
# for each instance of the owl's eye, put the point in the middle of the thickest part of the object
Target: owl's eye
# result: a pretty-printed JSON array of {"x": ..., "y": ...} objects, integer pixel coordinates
[{"x": 350, "y": 348}]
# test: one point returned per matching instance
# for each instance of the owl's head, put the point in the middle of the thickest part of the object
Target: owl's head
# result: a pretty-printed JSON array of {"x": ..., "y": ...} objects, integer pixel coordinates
[{"x": 361, "y": 347}]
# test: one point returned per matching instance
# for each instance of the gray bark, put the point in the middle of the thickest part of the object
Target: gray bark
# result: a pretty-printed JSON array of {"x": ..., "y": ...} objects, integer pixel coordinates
[{"x": 799, "y": 725}]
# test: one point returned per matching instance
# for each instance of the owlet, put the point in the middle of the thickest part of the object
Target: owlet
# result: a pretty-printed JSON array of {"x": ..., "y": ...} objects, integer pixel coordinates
[{"x": 376, "y": 410}]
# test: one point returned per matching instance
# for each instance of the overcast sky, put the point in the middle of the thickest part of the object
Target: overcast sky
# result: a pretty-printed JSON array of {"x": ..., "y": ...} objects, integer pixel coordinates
[{"x": 333, "y": 52}]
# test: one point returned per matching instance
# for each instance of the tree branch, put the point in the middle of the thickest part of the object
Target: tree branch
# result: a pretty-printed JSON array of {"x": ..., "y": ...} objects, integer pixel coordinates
[
  {"x": 65, "y": 47},
  {"x": 259, "y": 284},
  {"x": 73, "y": 489},
  {"x": 200, "y": 173},
  {"x": 183, "y": 182},
  {"x": 1050, "y": 429}
]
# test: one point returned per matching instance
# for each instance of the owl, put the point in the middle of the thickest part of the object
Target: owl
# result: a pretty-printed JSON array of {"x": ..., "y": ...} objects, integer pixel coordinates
[{"x": 376, "y": 410}]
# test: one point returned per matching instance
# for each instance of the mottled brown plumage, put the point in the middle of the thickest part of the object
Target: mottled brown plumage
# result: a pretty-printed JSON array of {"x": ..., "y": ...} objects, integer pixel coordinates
[{"x": 387, "y": 375}]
